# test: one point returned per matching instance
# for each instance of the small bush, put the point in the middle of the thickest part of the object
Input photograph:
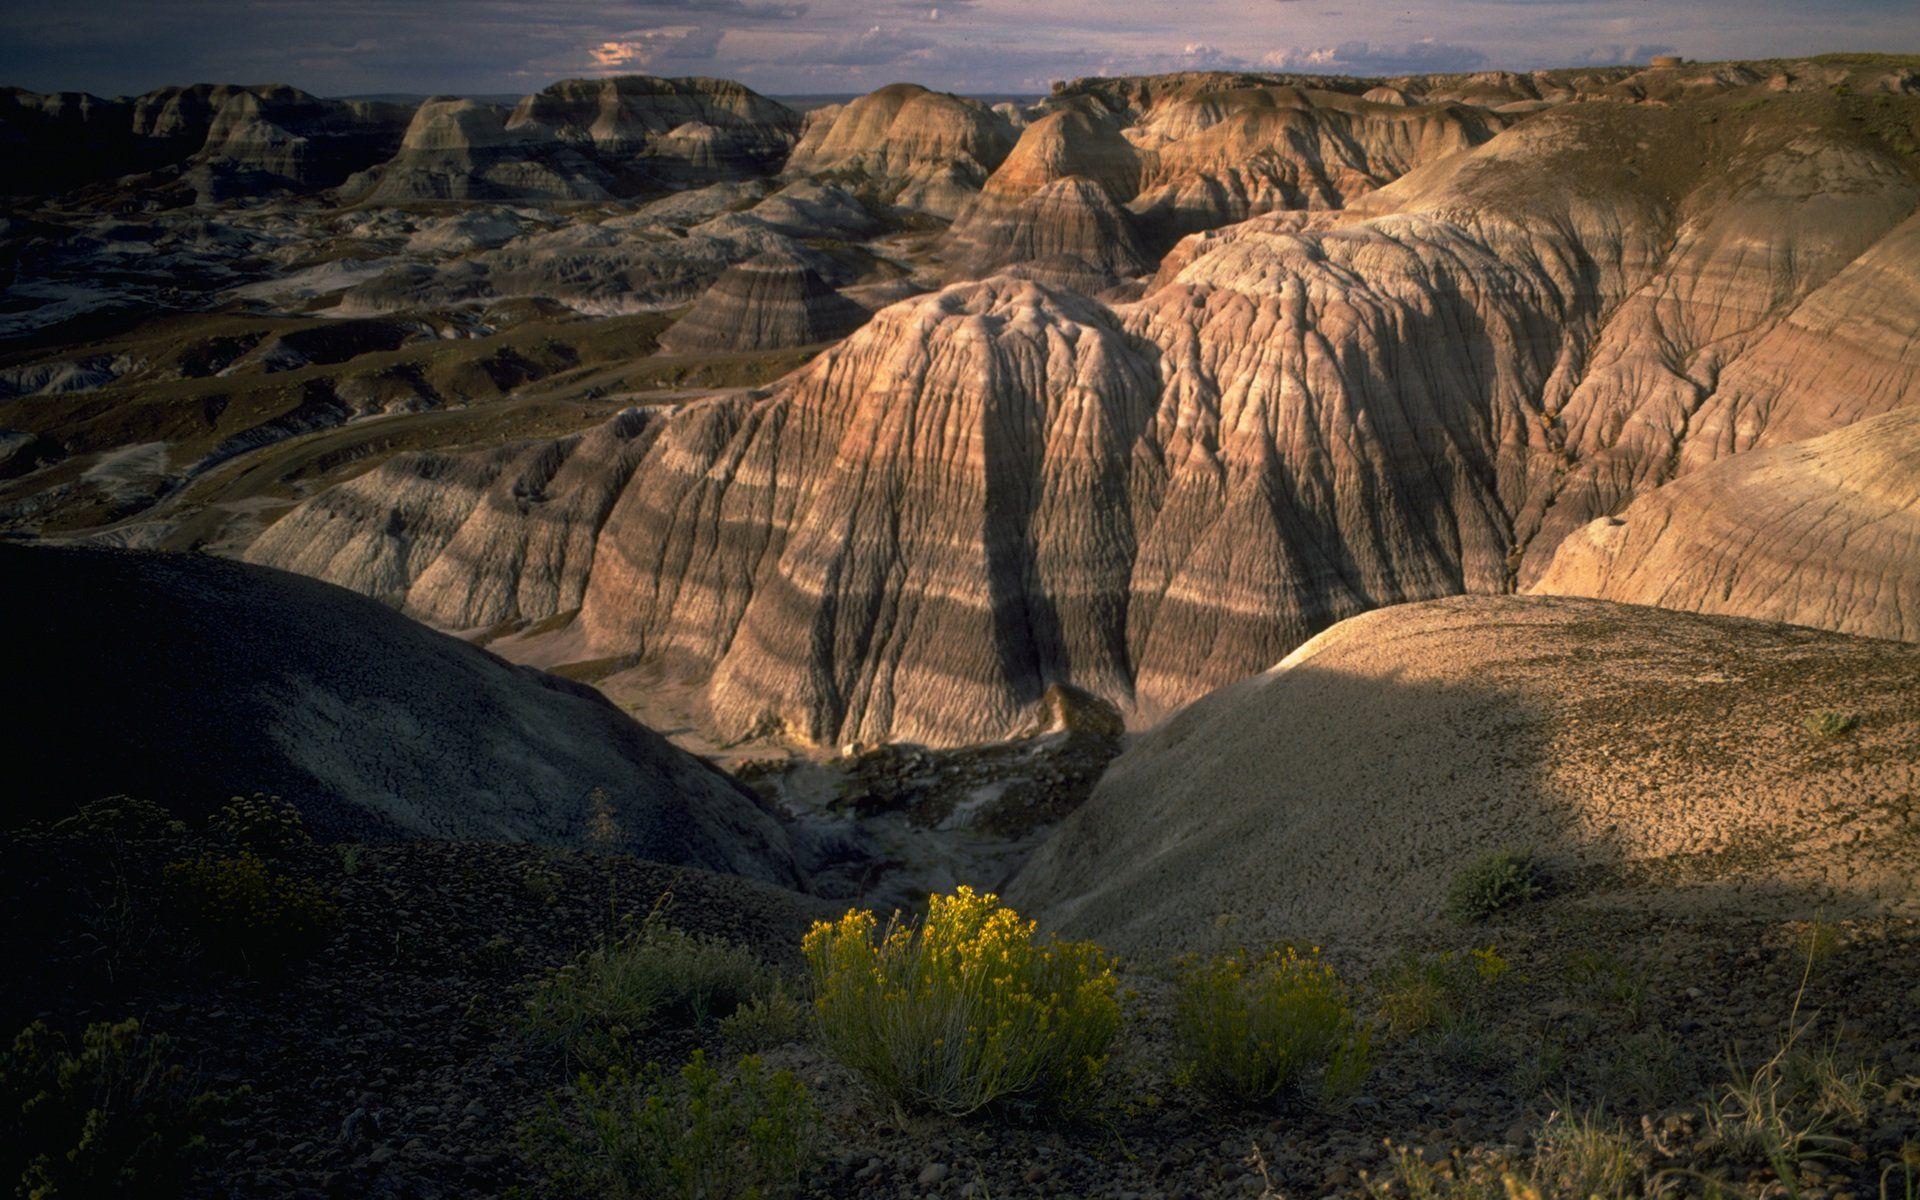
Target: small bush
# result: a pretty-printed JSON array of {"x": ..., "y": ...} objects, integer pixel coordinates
[
  {"x": 244, "y": 912},
  {"x": 1417, "y": 996},
  {"x": 695, "y": 1136},
  {"x": 118, "y": 819},
  {"x": 1492, "y": 883},
  {"x": 970, "y": 1009},
  {"x": 1251, "y": 1027},
  {"x": 654, "y": 977},
  {"x": 1829, "y": 724},
  {"x": 261, "y": 824},
  {"x": 119, "y": 1118},
  {"x": 764, "y": 1022}
]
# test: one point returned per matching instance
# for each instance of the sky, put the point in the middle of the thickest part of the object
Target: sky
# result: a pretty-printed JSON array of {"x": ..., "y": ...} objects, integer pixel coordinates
[{"x": 791, "y": 47}]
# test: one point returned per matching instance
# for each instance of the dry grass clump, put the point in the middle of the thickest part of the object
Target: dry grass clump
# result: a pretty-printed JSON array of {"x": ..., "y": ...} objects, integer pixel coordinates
[
  {"x": 1574, "y": 1155},
  {"x": 970, "y": 1008},
  {"x": 654, "y": 977},
  {"x": 698, "y": 1134},
  {"x": 1250, "y": 1027}
]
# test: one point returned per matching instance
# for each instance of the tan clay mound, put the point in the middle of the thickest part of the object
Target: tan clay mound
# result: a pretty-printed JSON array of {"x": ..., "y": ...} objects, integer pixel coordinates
[
  {"x": 1824, "y": 532},
  {"x": 1648, "y": 758},
  {"x": 769, "y": 302}
]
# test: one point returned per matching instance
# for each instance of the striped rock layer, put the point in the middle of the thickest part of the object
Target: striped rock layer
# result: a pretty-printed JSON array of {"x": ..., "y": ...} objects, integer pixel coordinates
[{"x": 769, "y": 302}]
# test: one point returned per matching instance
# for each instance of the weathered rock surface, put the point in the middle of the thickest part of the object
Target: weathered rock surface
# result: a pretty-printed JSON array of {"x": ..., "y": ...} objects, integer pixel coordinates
[
  {"x": 921, "y": 149},
  {"x": 210, "y": 677},
  {"x": 769, "y": 302},
  {"x": 1824, "y": 532},
  {"x": 1649, "y": 759}
]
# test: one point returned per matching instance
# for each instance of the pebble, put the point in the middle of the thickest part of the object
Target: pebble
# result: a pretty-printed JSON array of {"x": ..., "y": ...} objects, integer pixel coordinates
[{"x": 934, "y": 1173}]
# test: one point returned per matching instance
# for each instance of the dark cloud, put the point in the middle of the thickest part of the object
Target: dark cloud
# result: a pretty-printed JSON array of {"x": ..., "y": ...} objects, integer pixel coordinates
[{"x": 491, "y": 46}]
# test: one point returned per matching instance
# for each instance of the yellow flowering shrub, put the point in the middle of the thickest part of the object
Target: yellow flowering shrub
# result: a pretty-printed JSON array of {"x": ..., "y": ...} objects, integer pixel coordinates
[
  {"x": 1252, "y": 1026},
  {"x": 968, "y": 1009}
]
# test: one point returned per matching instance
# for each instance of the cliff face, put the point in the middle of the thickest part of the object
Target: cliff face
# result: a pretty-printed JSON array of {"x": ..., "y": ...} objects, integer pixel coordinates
[{"x": 1308, "y": 414}]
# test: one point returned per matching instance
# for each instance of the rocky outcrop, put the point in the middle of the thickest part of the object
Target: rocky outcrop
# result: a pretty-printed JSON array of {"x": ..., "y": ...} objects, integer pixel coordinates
[
  {"x": 920, "y": 149},
  {"x": 1652, "y": 762},
  {"x": 214, "y": 677},
  {"x": 1824, "y": 532},
  {"x": 769, "y": 302}
]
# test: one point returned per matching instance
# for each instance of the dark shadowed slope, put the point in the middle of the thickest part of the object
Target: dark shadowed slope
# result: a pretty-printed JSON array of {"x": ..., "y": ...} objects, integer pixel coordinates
[{"x": 187, "y": 679}]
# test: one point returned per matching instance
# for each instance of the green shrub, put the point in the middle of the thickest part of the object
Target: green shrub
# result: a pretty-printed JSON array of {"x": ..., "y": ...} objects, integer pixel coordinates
[
  {"x": 1491, "y": 883},
  {"x": 264, "y": 825},
  {"x": 1251, "y": 1027},
  {"x": 119, "y": 819},
  {"x": 764, "y": 1022},
  {"x": 695, "y": 1136},
  {"x": 655, "y": 977},
  {"x": 119, "y": 1118},
  {"x": 245, "y": 912},
  {"x": 969, "y": 1009},
  {"x": 1829, "y": 724}
]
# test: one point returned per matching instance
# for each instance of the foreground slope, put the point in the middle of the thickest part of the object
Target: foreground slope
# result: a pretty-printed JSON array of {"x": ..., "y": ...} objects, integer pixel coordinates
[
  {"x": 1649, "y": 758},
  {"x": 186, "y": 679}
]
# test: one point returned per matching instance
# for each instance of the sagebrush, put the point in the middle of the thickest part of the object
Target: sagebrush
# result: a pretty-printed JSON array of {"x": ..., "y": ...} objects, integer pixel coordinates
[
  {"x": 1251, "y": 1027},
  {"x": 968, "y": 1009}
]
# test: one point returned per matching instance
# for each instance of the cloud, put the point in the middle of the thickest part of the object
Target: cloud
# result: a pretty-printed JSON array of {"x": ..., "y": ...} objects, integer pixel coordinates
[
  {"x": 653, "y": 47},
  {"x": 774, "y": 9},
  {"x": 877, "y": 46},
  {"x": 1366, "y": 58}
]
